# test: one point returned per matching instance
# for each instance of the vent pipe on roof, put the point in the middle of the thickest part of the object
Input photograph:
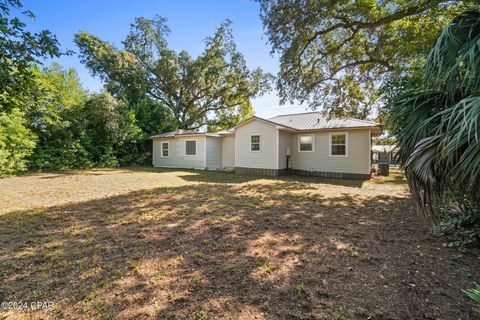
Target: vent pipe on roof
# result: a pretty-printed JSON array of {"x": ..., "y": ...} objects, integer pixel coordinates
[{"x": 318, "y": 120}]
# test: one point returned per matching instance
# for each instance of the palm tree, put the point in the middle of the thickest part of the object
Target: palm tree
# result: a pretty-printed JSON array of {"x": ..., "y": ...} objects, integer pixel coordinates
[{"x": 437, "y": 123}]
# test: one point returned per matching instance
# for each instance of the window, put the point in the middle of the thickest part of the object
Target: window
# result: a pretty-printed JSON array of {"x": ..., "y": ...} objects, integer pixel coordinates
[
  {"x": 164, "y": 149},
  {"x": 191, "y": 148},
  {"x": 306, "y": 143},
  {"x": 338, "y": 144},
  {"x": 255, "y": 142}
]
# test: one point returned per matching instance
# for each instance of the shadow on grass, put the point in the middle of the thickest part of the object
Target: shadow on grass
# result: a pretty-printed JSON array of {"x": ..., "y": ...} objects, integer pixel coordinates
[
  {"x": 204, "y": 176},
  {"x": 231, "y": 177},
  {"x": 272, "y": 250}
]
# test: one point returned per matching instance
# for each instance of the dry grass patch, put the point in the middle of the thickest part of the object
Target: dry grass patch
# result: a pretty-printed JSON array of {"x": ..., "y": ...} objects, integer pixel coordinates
[{"x": 165, "y": 244}]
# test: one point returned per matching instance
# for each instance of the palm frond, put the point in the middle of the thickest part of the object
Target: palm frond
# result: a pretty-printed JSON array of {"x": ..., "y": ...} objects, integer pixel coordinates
[
  {"x": 437, "y": 123},
  {"x": 454, "y": 60},
  {"x": 408, "y": 115},
  {"x": 424, "y": 181}
]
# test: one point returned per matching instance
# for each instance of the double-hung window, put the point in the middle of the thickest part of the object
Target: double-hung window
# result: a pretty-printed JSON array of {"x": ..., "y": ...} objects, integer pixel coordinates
[
  {"x": 306, "y": 143},
  {"x": 164, "y": 148},
  {"x": 255, "y": 142},
  {"x": 338, "y": 145},
  {"x": 191, "y": 147}
]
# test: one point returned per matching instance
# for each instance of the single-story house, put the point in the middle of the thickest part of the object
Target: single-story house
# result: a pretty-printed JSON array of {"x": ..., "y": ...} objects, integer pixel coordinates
[
  {"x": 384, "y": 153},
  {"x": 303, "y": 144}
]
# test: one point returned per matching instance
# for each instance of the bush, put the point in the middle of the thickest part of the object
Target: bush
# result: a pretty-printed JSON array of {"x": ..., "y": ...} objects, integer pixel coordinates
[
  {"x": 461, "y": 225},
  {"x": 16, "y": 143},
  {"x": 59, "y": 155}
]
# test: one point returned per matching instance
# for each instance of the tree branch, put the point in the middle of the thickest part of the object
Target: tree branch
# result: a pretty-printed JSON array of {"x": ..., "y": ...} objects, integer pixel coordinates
[{"x": 384, "y": 20}]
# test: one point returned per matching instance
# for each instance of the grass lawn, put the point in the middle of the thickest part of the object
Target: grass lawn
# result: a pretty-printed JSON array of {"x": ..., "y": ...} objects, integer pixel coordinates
[{"x": 169, "y": 244}]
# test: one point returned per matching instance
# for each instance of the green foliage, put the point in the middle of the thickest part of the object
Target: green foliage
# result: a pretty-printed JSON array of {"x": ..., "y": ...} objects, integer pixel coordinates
[
  {"x": 335, "y": 54},
  {"x": 50, "y": 122},
  {"x": 20, "y": 50},
  {"x": 152, "y": 118},
  {"x": 64, "y": 152},
  {"x": 76, "y": 130},
  {"x": 301, "y": 289},
  {"x": 212, "y": 89},
  {"x": 436, "y": 123},
  {"x": 474, "y": 294},
  {"x": 267, "y": 267},
  {"x": 463, "y": 226},
  {"x": 384, "y": 140},
  {"x": 16, "y": 142},
  {"x": 55, "y": 115},
  {"x": 112, "y": 129},
  {"x": 229, "y": 118}
]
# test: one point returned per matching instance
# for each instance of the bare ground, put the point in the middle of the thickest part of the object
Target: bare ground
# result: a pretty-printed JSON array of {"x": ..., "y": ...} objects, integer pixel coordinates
[{"x": 165, "y": 244}]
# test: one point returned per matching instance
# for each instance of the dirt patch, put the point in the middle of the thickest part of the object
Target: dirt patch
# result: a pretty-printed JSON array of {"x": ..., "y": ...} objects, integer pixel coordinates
[{"x": 165, "y": 244}]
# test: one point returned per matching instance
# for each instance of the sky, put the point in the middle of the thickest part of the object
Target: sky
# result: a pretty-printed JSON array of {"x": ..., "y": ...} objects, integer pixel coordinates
[{"x": 190, "y": 23}]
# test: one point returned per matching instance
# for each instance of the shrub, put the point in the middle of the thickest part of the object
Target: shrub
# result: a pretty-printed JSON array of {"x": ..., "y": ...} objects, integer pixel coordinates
[
  {"x": 474, "y": 294},
  {"x": 461, "y": 225},
  {"x": 16, "y": 143}
]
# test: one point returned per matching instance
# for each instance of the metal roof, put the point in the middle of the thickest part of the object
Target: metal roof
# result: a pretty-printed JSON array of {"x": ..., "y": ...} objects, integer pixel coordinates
[
  {"x": 226, "y": 132},
  {"x": 182, "y": 132},
  {"x": 261, "y": 119},
  {"x": 384, "y": 148},
  {"x": 296, "y": 121},
  {"x": 317, "y": 120},
  {"x": 178, "y": 132}
]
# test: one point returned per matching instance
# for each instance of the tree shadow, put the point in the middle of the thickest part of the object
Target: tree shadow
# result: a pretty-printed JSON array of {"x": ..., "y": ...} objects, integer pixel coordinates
[
  {"x": 230, "y": 177},
  {"x": 206, "y": 176},
  {"x": 72, "y": 173},
  {"x": 277, "y": 249}
]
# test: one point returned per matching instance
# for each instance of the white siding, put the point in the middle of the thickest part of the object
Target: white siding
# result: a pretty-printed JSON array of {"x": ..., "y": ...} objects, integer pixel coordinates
[
  {"x": 228, "y": 151},
  {"x": 214, "y": 152},
  {"x": 357, "y": 161},
  {"x": 284, "y": 142},
  {"x": 177, "y": 157},
  {"x": 266, "y": 158}
]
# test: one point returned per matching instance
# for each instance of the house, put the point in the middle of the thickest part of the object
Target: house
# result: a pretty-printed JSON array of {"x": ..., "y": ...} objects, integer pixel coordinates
[
  {"x": 384, "y": 153},
  {"x": 303, "y": 144}
]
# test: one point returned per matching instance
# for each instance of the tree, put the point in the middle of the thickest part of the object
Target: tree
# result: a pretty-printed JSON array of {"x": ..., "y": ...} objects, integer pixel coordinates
[
  {"x": 20, "y": 50},
  {"x": 437, "y": 125},
  {"x": 212, "y": 89},
  {"x": 112, "y": 129},
  {"x": 335, "y": 54},
  {"x": 58, "y": 91},
  {"x": 78, "y": 130},
  {"x": 56, "y": 116},
  {"x": 152, "y": 118},
  {"x": 16, "y": 143}
]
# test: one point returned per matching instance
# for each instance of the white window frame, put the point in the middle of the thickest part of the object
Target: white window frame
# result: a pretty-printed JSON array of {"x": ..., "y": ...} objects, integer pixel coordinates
[
  {"x": 313, "y": 142},
  {"x": 161, "y": 149},
  {"x": 330, "y": 145},
  {"x": 259, "y": 142},
  {"x": 196, "y": 148}
]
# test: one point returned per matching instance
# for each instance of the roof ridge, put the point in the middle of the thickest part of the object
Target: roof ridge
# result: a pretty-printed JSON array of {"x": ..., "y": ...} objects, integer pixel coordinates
[
  {"x": 362, "y": 120},
  {"x": 294, "y": 114},
  {"x": 312, "y": 112},
  {"x": 274, "y": 122}
]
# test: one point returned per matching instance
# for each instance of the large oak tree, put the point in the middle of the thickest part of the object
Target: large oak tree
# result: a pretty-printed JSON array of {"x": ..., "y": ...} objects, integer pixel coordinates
[
  {"x": 335, "y": 54},
  {"x": 213, "y": 89}
]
